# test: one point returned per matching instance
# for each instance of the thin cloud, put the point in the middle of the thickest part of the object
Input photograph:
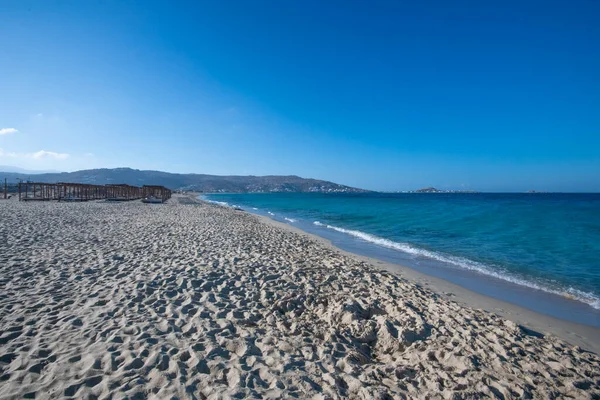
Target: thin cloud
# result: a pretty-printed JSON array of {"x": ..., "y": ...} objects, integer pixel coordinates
[
  {"x": 38, "y": 155},
  {"x": 7, "y": 154},
  {"x": 48, "y": 154},
  {"x": 6, "y": 131}
]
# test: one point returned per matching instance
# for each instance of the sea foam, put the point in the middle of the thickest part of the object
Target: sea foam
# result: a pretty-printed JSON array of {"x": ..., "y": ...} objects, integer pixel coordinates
[
  {"x": 221, "y": 203},
  {"x": 471, "y": 265}
]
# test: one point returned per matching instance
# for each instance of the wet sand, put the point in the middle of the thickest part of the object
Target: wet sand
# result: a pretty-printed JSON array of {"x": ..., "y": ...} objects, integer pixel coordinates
[{"x": 195, "y": 300}]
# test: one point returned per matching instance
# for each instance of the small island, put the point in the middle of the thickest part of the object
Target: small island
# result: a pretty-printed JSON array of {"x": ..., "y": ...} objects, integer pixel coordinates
[{"x": 434, "y": 190}]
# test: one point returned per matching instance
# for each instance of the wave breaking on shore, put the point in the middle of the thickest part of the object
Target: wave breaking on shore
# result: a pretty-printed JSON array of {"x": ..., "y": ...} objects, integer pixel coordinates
[{"x": 495, "y": 272}]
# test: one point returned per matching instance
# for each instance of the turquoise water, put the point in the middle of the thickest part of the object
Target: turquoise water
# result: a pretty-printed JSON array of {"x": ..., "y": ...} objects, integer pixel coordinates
[{"x": 543, "y": 242}]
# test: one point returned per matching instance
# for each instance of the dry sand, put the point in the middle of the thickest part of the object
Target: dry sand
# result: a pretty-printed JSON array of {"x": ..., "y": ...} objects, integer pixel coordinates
[
  {"x": 115, "y": 300},
  {"x": 585, "y": 336}
]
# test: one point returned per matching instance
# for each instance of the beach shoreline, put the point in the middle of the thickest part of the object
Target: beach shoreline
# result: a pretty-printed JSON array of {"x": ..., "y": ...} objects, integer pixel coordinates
[
  {"x": 585, "y": 336},
  {"x": 195, "y": 300},
  {"x": 482, "y": 257}
]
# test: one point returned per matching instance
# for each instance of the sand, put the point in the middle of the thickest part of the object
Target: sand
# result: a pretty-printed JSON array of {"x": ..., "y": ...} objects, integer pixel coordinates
[
  {"x": 115, "y": 300},
  {"x": 585, "y": 336}
]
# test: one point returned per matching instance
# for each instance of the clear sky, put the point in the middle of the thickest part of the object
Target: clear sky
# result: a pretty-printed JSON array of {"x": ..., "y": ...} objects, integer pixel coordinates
[{"x": 488, "y": 95}]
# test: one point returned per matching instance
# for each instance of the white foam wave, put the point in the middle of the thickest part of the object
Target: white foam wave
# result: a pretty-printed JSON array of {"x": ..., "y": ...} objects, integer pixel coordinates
[
  {"x": 292, "y": 220},
  {"x": 570, "y": 293},
  {"x": 270, "y": 213},
  {"x": 221, "y": 203}
]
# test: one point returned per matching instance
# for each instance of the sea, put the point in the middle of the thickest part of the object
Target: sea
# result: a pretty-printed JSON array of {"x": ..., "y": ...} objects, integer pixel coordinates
[{"x": 537, "y": 250}]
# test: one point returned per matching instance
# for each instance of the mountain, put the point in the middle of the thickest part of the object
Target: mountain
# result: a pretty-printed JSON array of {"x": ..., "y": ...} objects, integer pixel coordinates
[
  {"x": 196, "y": 182},
  {"x": 9, "y": 168}
]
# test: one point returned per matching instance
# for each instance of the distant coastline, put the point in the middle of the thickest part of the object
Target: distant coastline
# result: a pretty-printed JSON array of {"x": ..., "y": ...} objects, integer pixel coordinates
[
  {"x": 204, "y": 183},
  {"x": 188, "y": 182},
  {"x": 434, "y": 190}
]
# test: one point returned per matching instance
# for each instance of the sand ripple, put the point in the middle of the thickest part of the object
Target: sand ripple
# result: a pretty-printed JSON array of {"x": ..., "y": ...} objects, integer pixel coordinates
[{"x": 188, "y": 300}]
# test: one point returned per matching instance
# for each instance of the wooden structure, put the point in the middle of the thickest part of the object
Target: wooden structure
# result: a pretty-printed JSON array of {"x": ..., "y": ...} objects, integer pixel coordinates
[
  {"x": 63, "y": 191},
  {"x": 79, "y": 192},
  {"x": 123, "y": 192},
  {"x": 29, "y": 191},
  {"x": 155, "y": 194}
]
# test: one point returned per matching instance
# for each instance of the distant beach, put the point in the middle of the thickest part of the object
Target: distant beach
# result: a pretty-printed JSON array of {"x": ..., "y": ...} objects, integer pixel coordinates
[{"x": 193, "y": 300}]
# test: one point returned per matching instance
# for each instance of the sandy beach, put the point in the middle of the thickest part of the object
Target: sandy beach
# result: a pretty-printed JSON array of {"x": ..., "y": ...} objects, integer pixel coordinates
[{"x": 193, "y": 300}]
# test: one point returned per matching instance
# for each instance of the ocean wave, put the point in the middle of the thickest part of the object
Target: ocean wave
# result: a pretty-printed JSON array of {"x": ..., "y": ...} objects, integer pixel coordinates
[
  {"x": 292, "y": 220},
  {"x": 270, "y": 213},
  {"x": 221, "y": 203},
  {"x": 571, "y": 293}
]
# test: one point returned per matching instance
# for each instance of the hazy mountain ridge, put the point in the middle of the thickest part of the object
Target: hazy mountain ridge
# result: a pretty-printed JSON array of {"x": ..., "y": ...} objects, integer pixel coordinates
[
  {"x": 18, "y": 170},
  {"x": 197, "y": 182}
]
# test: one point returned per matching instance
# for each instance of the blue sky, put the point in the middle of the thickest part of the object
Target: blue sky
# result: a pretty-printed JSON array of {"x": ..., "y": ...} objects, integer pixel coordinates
[{"x": 492, "y": 95}]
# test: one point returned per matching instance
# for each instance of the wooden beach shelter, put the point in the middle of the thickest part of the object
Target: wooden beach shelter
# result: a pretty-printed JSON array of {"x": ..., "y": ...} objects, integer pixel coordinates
[
  {"x": 37, "y": 191},
  {"x": 123, "y": 192},
  {"x": 65, "y": 191},
  {"x": 80, "y": 191},
  {"x": 155, "y": 194},
  {"x": 61, "y": 191}
]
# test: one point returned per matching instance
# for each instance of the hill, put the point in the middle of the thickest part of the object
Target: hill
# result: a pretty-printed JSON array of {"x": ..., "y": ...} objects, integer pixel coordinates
[
  {"x": 196, "y": 182},
  {"x": 9, "y": 168}
]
